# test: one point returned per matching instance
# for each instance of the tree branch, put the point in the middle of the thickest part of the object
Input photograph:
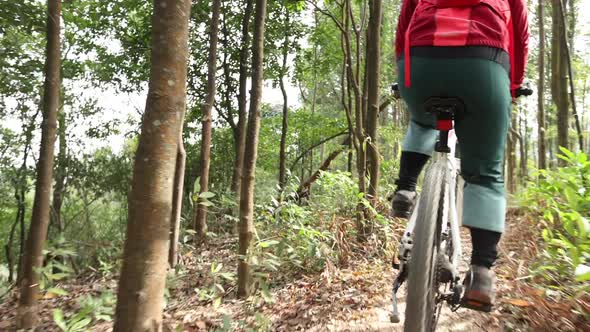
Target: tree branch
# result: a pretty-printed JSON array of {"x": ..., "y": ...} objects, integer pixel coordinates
[{"x": 315, "y": 146}]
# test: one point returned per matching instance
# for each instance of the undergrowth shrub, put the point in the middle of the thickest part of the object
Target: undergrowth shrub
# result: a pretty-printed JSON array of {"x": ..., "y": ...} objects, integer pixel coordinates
[
  {"x": 560, "y": 201},
  {"x": 309, "y": 237}
]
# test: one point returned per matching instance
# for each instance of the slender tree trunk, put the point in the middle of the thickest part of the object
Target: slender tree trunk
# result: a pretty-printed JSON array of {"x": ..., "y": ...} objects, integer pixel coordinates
[
  {"x": 541, "y": 89},
  {"x": 314, "y": 69},
  {"x": 568, "y": 59},
  {"x": 9, "y": 244},
  {"x": 559, "y": 76},
  {"x": 246, "y": 225},
  {"x": 177, "y": 202},
  {"x": 242, "y": 97},
  {"x": 143, "y": 277},
  {"x": 61, "y": 173},
  {"x": 511, "y": 157},
  {"x": 20, "y": 191},
  {"x": 373, "y": 77},
  {"x": 33, "y": 258},
  {"x": 284, "y": 129},
  {"x": 522, "y": 148},
  {"x": 200, "y": 209},
  {"x": 22, "y": 237}
]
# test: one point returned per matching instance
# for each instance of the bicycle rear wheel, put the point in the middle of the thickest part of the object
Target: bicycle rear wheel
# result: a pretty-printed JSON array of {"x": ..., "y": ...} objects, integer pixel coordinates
[{"x": 421, "y": 306}]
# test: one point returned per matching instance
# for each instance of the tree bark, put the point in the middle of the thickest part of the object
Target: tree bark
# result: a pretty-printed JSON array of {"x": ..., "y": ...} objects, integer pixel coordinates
[
  {"x": 143, "y": 276},
  {"x": 285, "y": 124},
  {"x": 33, "y": 258},
  {"x": 242, "y": 98},
  {"x": 61, "y": 173},
  {"x": 246, "y": 224},
  {"x": 541, "y": 89},
  {"x": 200, "y": 209},
  {"x": 21, "y": 189},
  {"x": 559, "y": 76},
  {"x": 373, "y": 76},
  {"x": 177, "y": 201},
  {"x": 571, "y": 74},
  {"x": 523, "y": 142},
  {"x": 511, "y": 156}
]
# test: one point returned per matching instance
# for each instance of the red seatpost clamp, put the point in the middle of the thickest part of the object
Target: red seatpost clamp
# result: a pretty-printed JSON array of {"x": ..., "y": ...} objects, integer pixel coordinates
[{"x": 444, "y": 124}]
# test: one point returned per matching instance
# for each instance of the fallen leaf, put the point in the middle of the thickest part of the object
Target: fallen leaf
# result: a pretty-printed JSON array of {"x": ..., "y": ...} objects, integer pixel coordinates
[
  {"x": 201, "y": 325},
  {"x": 49, "y": 296},
  {"x": 519, "y": 302}
]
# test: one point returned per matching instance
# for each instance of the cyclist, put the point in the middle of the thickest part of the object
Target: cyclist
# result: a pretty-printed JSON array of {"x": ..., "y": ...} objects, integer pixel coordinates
[{"x": 475, "y": 50}]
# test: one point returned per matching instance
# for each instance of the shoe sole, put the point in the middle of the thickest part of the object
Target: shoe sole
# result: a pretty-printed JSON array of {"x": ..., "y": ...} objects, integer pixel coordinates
[{"x": 476, "y": 300}]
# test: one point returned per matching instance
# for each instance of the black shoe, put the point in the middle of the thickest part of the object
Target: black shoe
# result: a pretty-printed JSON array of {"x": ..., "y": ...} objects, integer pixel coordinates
[
  {"x": 402, "y": 203},
  {"x": 480, "y": 289}
]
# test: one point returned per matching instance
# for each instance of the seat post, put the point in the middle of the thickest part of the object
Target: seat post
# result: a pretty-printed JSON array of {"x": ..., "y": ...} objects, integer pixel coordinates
[
  {"x": 444, "y": 123},
  {"x": 442, "y": 145},
  {"x": 445, "y": 109}
]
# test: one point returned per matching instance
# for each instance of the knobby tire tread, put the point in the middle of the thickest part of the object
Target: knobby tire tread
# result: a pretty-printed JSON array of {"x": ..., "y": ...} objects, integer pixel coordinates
[{"x": 419, "y": 307}]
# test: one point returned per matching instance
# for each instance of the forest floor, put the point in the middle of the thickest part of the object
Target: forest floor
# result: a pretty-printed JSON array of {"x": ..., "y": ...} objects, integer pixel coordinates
[{"x": 354, "y": 298}]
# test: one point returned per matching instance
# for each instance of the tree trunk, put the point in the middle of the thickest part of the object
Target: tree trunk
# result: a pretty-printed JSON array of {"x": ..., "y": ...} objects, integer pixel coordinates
[
  {"x": 283, "y": 144},
  {"x": 567, "y": 53},
  {"x": 61, "y": 173},
  {"x": 242, "y": 98},
  {"x": 511, "y": 157},
  {"x": 373, "y": 77},
  {"x": 246, "y": 224},
  {"x": 541, "y": 89},
  {"x": 177, "y": 202},
  {"x": 559, "y": 76},
  {"x": 522, "y": 148},
  {"x": 21, "y": 189},
  {"x": 200, "y": 209},
  {"x": 143, "y": 276},
  {"x": 33, "y": 258}
]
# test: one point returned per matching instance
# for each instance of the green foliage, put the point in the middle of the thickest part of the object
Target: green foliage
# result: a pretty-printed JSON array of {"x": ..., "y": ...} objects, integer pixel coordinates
[
  {"x": 561, "y": 201},
  {"x": 100, "y": 308},
  {"x": 92, "y": 310},
  {"x": 55, "y": 268},
  {"x": 336, "y": 193},
  {"x": 201, "y": 197},
  {"x": 216, "y": 283},
  {"x": 76, "y": 323},
  {"x": 307, "y": 238}
]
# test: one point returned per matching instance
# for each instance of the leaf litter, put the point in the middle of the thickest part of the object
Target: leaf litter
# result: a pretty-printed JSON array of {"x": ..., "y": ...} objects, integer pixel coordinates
[{"x": 356, "y": 297}]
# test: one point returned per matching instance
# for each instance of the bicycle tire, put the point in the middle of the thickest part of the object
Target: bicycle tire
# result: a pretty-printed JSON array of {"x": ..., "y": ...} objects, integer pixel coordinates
[{"x": 420, "y": 298}]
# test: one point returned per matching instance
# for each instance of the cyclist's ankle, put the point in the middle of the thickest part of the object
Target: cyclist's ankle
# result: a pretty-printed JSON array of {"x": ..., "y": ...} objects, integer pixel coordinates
[{"x": 485, "y": 247}]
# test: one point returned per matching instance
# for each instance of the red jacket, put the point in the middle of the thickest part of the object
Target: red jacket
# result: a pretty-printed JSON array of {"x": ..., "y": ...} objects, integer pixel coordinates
[{"x": 496, "y": 23}]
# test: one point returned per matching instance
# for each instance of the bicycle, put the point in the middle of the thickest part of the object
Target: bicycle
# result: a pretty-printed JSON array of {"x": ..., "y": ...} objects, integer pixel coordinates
[{"x": 430, "y": 248}]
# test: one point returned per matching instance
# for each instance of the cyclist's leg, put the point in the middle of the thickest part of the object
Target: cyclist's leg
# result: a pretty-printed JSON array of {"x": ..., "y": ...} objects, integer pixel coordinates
[
  {"x": 417, "y": 147},
  {"x": 482, "y": 134}
]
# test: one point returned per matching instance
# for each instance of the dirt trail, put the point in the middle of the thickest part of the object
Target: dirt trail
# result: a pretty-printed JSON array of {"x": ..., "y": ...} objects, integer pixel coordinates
[{"x": 376, "y": 317}]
